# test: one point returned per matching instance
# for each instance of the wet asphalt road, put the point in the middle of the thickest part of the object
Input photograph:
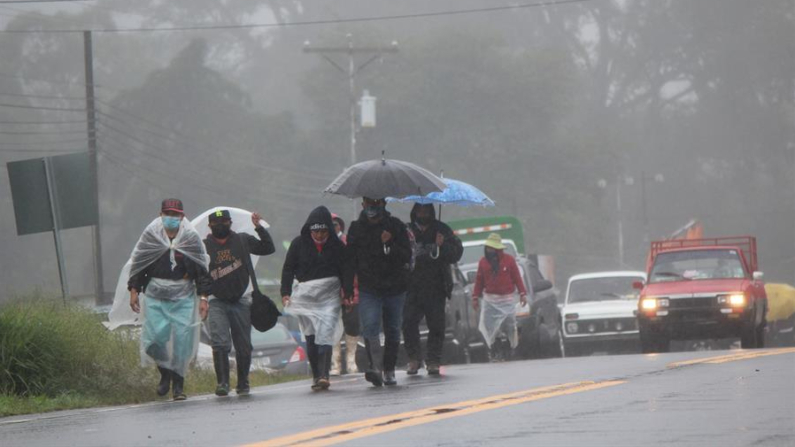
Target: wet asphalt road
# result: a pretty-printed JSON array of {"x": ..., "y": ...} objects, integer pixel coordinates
[{"x": 739, "y": 398}]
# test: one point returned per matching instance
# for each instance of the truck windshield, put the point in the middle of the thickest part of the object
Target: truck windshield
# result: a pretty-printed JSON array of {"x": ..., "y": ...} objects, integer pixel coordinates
[
  {"x": 602, "y": 289},
  {"x": 473, "y": 253},
  {"x": 696, "y": 265}
]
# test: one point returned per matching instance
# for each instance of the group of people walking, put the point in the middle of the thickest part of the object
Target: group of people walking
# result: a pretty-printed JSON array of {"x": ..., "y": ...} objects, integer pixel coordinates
[{"x": 384, "y": 276}]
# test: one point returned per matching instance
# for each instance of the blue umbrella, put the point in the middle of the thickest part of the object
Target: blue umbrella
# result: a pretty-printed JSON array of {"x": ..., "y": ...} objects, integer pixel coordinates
[{"x": 456, "y": 193}]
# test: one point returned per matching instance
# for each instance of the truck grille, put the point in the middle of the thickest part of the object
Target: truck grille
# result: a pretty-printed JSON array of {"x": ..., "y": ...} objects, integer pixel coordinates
[
  {"x": 606, "y": 325},
  {"x": 694, "y": 303}
]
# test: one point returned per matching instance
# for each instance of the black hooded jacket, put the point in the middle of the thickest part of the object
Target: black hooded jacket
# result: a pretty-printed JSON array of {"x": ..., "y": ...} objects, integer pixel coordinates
[
  {"x": 380, "y": 271},
  {"x": 305, "y": 263},
  {"x": 433, "y": 276}
]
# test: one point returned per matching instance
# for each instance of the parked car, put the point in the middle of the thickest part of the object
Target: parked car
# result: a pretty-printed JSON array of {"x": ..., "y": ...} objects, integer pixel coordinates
[
  {"x": 599, "y": 313},
  {"x": 274, "y": 351}
]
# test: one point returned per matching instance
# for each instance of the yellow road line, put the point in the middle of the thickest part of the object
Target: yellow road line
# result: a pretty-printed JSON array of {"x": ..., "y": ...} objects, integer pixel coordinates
[
  {"x": 743, "y": 355},
  {"x": 369, "y": 427}
]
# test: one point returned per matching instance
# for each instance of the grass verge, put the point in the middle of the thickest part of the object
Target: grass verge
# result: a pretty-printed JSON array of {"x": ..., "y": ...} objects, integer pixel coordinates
[{"x": 56, "y": 357}]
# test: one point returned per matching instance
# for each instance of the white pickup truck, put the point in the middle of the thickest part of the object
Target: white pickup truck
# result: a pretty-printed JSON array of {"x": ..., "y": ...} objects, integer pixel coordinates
[{"x": 599, "y": 313}]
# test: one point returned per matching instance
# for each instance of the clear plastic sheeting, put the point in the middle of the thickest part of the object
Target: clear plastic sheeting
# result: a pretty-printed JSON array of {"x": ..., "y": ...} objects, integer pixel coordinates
[
  {"x": 317, "y": 305},
  {"x": 499, "y": 311},
  {"x": 153, "y": 243},
  {"x": 170, "y": 336}
]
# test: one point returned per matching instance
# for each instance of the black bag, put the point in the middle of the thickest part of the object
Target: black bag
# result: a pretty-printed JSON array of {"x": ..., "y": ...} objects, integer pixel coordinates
[{"x": 264, "y": 314}]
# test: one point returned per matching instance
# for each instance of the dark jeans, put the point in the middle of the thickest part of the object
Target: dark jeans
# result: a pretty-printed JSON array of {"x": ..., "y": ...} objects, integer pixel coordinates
[
  {"x": 375, "y": 309},
  {"x": 350, "y": 321},
  {"x": 230, "y": 323},
  {"x": 431, "y": 307}
]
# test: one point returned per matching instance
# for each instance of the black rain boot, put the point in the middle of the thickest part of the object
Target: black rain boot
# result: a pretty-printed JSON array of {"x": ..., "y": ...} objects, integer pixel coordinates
[
  {"x": 165, "y": 381},
  {"x": 243, "y": 367},
  {"x": 390, "y": 360},
  {"x": 375, "y": 355},
  {"x": 312, "y": 354},
  {"x": 178, "y": 384},
  {"x": 323, "y": 366},
  {"x": 221, "y": 362}
]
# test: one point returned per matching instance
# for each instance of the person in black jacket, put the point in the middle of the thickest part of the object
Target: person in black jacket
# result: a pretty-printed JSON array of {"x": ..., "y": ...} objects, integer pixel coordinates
[
  {"x": 230, "y": 310},
  {"x": 316, "y": 259},
  {"x": 436, "y": 247},
  {"x": 380, "y": 255}
]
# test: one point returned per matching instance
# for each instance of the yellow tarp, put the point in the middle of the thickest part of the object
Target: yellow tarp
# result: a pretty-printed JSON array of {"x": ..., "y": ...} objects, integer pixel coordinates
[{"x": 780, "y": 301}]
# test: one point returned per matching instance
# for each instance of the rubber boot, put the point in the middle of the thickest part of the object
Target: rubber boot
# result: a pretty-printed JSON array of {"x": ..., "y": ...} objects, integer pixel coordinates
[
  {"x": 221, "y": 363},
  {"x": 390, "y": 360},
  {"x": 312, "y": 354},
  {"x": 375, "y": 356},
  {"x": 336, "y": 360},
  {"x": 178, "y": 382},
  {"x": 351, "y": 344},
  {"x": 243, "y": 368},
  {"x": 324, "y": 365},
  {"x": 165, "y": 381}
]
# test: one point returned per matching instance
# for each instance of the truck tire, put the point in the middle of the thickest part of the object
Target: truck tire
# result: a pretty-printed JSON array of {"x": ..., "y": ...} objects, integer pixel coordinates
[
  {"x": 654, "y": 343},
  {"x": 748, "y": 338}
]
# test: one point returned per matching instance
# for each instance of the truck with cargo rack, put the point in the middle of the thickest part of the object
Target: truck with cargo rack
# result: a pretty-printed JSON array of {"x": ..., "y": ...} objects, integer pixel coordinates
[{"x": 702, "y": 289}]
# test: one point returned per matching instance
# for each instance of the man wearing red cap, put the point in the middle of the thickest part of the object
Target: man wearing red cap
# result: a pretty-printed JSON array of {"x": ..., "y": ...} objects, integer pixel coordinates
[{"x": 168, "y": 267}]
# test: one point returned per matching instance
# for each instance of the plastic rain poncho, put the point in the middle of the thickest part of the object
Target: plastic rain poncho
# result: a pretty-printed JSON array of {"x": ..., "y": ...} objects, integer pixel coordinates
[
  {"x": 499, "y": 311},
  {"x": 316, "y": 303},
  {"x": 169, "y": 313}
]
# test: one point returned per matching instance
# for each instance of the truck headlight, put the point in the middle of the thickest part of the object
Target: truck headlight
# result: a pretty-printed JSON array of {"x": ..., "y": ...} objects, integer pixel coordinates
[
  {"x": 572, "y": 328},
  {"x": 733, "y": 300},
  {"x": 649, "y": 304},
  {"x": 654, "y": 303}
]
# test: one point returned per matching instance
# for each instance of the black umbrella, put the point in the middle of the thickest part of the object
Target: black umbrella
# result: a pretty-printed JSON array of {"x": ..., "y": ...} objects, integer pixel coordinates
[{"x": 378, "y": 179}]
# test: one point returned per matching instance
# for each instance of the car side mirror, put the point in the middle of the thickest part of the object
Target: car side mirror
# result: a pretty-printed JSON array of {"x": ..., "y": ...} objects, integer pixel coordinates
[
  {"x": 541, "y": 286},
  {"x": 637, "y": 285},
  {"x": 758, "y": 276}
]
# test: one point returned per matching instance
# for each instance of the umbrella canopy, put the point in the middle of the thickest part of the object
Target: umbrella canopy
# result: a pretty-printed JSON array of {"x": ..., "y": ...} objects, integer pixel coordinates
[
  {"x": 378, "y": 179},
  {"x": 456, "y": 193}
]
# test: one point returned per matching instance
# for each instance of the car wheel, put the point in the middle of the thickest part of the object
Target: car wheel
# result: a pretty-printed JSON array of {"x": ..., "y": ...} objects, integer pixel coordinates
[{"x": 649, "y": 343}]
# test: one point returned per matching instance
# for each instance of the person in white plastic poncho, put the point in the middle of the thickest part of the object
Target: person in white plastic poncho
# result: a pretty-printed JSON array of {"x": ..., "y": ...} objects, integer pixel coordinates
[
  {"x": 167, "y": 268},
  {"x": 498, "y": 279},
  {"x": 316, "y": 259}
]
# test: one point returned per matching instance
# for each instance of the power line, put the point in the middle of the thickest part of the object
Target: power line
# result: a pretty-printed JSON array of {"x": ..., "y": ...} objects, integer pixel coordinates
[
  {"x": 302, "y": 172},
  {"x": 42, "y": 132},
  {"x": 59, "y": 109},
  {"x": 309, "y": 22},
  {"x": 44, "y": 123},
  {"x": 22, "y": 151},
  {"x": 22, "y": 2},
  {"x": 26, "y": 95},
  {"x": 49, "y": 81},
  {"x": 23, "y": 143}
]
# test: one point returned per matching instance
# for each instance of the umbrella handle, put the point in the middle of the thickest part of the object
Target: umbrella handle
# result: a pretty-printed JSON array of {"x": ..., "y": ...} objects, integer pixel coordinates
[{"x": 387, "y": 250}]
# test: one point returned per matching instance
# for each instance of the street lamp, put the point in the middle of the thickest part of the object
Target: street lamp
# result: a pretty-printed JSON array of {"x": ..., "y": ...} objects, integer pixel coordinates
[{"x": 629, "y": 181}]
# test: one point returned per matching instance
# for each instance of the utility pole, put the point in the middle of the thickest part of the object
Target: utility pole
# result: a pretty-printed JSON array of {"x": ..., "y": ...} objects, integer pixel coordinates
[
  {"x": 620, "y": 224},
  {"x": 352, "y": 70},
  {"x": 91, "y": 128}
]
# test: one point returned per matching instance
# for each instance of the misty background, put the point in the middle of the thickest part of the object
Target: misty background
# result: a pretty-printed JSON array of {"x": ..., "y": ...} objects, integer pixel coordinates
[{"x": 687, "y": 107}]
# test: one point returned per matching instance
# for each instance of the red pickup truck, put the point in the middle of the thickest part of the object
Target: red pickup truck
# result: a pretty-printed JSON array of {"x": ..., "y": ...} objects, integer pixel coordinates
[{"x": 699, "y": 289}]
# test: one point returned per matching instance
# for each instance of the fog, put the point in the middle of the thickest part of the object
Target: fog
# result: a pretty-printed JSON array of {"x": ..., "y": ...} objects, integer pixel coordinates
[{"x": 686, "y": 108}]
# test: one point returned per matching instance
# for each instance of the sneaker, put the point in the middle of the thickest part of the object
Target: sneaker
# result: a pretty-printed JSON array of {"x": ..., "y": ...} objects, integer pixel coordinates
[
  {"x": 374, "y": 377},
  {"x": 222, "y": 390},
  {"x": 244, "y": 391},
  {"x": 414, "y": 367},
  {"x": 389, "y": 378},
  {"x": 315, "y": 386}
]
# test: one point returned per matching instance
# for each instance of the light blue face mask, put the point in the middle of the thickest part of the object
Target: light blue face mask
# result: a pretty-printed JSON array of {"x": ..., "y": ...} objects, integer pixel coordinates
[{"x": 171, "y": 223}]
